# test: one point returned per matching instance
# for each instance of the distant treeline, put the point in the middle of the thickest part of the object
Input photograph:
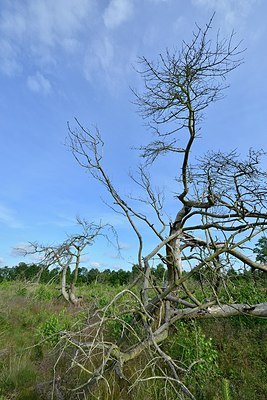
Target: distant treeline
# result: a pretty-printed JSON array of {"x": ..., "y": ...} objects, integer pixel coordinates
[
  {"x": 34, "y": 272},
  {"x": 38, "y": 273}
]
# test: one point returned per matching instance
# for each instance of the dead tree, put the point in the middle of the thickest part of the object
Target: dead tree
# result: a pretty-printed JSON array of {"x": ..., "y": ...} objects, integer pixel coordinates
[
  {"x": 221, "y": 207},
  {"x": 67, "y": 255}
]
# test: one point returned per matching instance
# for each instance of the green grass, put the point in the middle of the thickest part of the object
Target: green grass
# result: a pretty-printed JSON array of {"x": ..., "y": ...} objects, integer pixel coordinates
[{"x": 234, "y": 351}]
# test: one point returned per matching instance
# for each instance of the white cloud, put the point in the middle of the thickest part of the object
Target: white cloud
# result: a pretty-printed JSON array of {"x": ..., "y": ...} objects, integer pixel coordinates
[
  {"x": 45, "y": 32},
  {"x": 110, "y": 62},
  {"x": 117, "y": 12},
  {"x": 21, "y": 249},
  {"x": 233, "y": 11},
  {"x": 99, "y": 58},
  {"x": 47, "y": 21},
  {"x": 54, "y": 21},
  {"x": 95, "y": 264},
  {"x": 39, "y": 84},
  {"x": 124, "y": 246},
  {"x": 8, "y": 58},
  {"x": 26, "y": 250},
  {"x": 8, "y": 218},
  {"x": 85, "y": 259},
  {"x": 39, "y": 28}
]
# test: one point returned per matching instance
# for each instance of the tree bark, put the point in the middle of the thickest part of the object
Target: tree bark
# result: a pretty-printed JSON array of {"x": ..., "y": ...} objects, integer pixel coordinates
[{"x": 224, "y": 310}]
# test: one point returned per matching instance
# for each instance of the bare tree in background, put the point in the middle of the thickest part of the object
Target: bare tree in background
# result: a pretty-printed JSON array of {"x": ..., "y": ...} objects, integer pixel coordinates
[
  {"x": 67, "y": 255},
  {"x": 221, "y": 208}
]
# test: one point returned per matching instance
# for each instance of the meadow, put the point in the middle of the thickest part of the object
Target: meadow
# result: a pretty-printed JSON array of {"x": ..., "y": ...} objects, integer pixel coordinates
[{"x": 233, "y": 351}]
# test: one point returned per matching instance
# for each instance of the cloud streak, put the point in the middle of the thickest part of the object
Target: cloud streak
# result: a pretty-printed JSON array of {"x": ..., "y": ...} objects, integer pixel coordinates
[
  {"x": 39, "y": 30},
  {"x": 8, "y": 218},
  {"x": 49, "y": 22},
  {"x": 20, "y": 249},
  {"x": 48, "y": 31},
  {"x": 99, "y": 58},
  {"x": 233, "y": 11},
  {"x": 9, "y": 64},
  {"x": 117, "y": 12},
  {"x": 39, "y": 84}
]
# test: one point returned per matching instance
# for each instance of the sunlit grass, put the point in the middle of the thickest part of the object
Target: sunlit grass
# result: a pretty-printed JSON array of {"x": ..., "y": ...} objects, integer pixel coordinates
[{"x": 32, "y": 315}]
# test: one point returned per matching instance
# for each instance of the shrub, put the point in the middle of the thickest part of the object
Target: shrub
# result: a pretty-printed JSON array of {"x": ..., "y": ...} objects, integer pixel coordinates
[
  {"x": 117, "y": 326},
  {"x": 49, "y": 331},
  {"x": 196, "y": 351},
  {"x": 44, "y": 292}
]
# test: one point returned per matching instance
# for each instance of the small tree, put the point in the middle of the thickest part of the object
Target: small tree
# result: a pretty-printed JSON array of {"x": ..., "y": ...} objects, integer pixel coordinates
[
  {"x": 261, "y": 250},
  {"x": 221, "y": 207},
  {"x": 67, "y": 255}
]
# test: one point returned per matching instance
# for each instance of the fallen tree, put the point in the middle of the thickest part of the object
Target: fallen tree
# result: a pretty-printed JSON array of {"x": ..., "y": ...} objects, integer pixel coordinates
[{"x": 221, "y": 209}]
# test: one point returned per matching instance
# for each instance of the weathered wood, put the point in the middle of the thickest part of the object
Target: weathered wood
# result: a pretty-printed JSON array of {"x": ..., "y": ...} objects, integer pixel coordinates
[{"x": 224, "y": 310}]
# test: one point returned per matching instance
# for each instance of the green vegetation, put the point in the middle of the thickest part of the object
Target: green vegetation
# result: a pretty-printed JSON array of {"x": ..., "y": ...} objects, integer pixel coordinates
[
  {"x": 231, "y": 353},
  {"x": 261, "y": 249},
  {"x": 32, "y": 272}
]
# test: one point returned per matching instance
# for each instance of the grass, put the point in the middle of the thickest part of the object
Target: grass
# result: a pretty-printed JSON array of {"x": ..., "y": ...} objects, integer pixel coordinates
[
  {"x": 234, "y": 350},
  {"x": 21, "y": 314}
]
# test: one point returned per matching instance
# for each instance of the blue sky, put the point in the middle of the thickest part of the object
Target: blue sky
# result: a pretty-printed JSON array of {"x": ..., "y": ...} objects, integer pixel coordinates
[{"x": 74, "y": 58}]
